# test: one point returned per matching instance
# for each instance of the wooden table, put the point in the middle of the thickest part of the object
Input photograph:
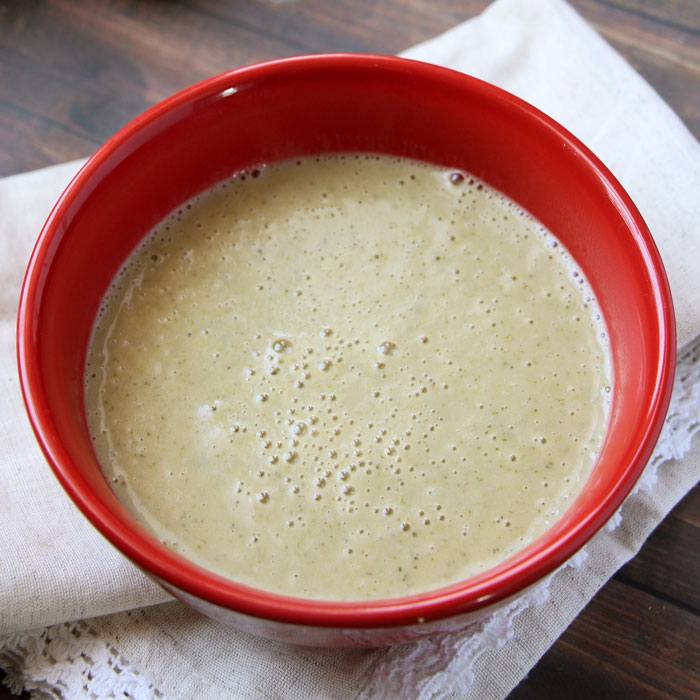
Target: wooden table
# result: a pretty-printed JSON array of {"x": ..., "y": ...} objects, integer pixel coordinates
[{"x": 72, "y": 72}]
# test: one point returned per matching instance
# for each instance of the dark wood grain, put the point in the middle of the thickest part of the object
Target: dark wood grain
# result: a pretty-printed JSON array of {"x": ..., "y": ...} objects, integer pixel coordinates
[
  {"x": 670, "y": 566},
  {"x": 607, "y": 653},
  {"x": 673, "y": 13},
  {"x": 72, "y": 72}
]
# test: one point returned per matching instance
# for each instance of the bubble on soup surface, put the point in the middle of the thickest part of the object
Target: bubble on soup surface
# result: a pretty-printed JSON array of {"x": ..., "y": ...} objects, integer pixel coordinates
[
  {"x": 281, "y": 345},
  {"x": 386, "y": 347}
]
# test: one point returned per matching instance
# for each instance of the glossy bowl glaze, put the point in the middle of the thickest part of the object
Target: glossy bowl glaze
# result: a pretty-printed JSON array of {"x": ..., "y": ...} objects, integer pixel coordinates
[{"x": 341, "y": 103}]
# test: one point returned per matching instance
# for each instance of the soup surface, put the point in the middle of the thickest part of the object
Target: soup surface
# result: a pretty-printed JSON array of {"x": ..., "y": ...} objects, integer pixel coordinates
[{"x": 351, "y": 377}]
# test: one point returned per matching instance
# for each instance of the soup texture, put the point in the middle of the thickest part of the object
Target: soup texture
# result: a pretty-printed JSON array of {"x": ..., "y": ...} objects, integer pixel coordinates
[{"x": 350, "y": 377}]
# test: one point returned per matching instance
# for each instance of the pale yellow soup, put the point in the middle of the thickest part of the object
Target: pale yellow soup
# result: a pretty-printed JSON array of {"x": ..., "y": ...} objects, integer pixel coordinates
[{"x": 348, "y": 378}]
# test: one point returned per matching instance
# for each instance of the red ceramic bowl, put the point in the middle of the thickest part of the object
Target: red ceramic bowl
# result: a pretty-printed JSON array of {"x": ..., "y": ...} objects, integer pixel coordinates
[{"x": 342, "y": 103}]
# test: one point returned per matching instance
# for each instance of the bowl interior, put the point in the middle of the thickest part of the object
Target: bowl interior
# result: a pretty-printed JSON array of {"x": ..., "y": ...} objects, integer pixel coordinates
[{"x": 342, "y": 104}]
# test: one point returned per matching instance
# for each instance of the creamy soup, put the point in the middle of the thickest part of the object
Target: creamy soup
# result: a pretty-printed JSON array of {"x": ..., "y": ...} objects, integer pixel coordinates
[{"x": 349, "y": 377}]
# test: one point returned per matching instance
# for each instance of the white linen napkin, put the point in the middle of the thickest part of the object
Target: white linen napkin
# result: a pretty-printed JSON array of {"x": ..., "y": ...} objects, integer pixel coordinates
[{"x": 56, "y": 570}]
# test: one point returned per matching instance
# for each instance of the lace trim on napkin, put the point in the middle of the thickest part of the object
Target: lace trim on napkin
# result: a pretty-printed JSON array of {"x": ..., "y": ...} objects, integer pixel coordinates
[{"x": 71, "y": 661}]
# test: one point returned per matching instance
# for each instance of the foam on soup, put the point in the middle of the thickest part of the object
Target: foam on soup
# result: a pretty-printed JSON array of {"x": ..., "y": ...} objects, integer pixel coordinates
[{"x": 349, "y": 377}]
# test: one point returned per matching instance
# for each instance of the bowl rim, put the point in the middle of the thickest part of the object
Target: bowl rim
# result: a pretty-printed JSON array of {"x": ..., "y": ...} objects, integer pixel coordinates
[{"x": 193, "y": 580}]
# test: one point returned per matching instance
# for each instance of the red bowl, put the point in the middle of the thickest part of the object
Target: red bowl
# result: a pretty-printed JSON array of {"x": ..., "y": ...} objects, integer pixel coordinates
[{"x": 342, "y": 103}]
